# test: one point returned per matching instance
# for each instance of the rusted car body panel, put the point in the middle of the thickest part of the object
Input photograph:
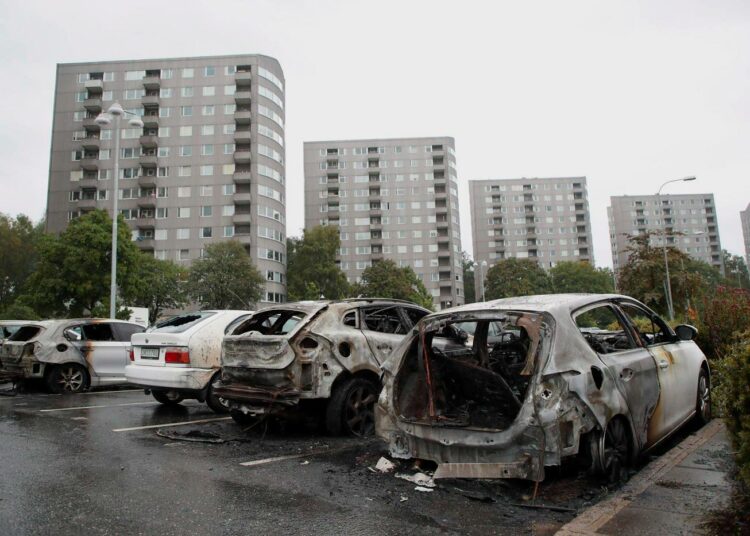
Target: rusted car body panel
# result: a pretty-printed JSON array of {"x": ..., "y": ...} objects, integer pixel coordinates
[
  {"x": 264, "y": 373},
  {"x": 32, "y": 358},
  {"x": 570, "y": 391}
]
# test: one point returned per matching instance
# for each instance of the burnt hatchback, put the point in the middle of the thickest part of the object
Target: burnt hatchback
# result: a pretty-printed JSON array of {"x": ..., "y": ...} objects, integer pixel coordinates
[
  {"x": 308, "y": 357},
  {"x": 596, "y": 378}
]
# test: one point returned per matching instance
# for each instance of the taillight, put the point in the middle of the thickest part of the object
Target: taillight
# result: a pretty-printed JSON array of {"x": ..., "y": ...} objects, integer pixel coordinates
[
  {"x": 177, "y": 355},
  {"x": 131, "y": 354}
]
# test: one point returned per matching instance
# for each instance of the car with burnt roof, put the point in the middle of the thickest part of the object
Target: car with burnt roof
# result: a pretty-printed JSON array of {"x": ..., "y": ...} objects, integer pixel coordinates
[
  {"x": 179, "y": 357},
  {"x": 314, "y": 357},
  {"x": 69, "y": 355},
  {"x": 599, "y": 379}
]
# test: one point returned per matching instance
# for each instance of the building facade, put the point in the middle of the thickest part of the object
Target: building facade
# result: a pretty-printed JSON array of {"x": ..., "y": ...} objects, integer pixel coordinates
[
  {"x": 391, "y": 199},
  {"x": 688, "y": 219},
  {"x": 745, "y": 219},
  {"x": 546, "y": 220},
  {"x": 208, "y": 165}
]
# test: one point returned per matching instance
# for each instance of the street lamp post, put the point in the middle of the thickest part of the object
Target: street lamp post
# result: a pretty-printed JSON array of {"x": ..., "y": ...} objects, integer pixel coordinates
[
  {"x": 482, "y": 268},
  {"x": 670, "y": 307},
  {"x": 105, "y": 119}
]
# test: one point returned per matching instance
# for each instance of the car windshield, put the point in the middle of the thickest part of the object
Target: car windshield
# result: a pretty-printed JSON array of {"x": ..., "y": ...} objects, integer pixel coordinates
[{"x": 180, "y": 323}]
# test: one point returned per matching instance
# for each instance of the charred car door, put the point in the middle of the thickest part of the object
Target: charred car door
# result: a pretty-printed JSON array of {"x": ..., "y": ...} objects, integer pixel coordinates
[
  {"x": 105, "y": 354},
  {"x": 632, "y": 366},
  {"x": 384, "y": 327}
]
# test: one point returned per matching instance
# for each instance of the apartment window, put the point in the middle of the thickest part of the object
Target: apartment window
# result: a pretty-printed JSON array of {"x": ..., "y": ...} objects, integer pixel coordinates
[
  {"x": 267, "y": 93},
  {"x": 183, "y": 191},
  {"x": 132, "y": 94},
  {"x": 227, "y": 210},
  {"x": 228, "y": 231},
  {"x": 207, "y": 150},
  {"x": 206, "y": 232},
  {"x": 208, "y": 109},
  {"x": 207, "y": 130},
  {"x": 163, "y": 132},
  {"x": 230, "y": 128},
  {"x": 227, "y": 169},
  {"x": 162, "y": 213},
  {"x": 107, "y": 95},
  {"x": 188, "y": 72},
  {"x": 228, "y": 189},
  {"x": 209, "y": 70},
  {"x": 79, "y": 116},
  {"x": 163, "y": 152},
  {"x": 186, "y": 91},
  {"x": 186, "y": 150},
  {"x": 162, "y": 191},
  {"x": 165, "y": 111},
  {"x": 184, "y": 171},
  {"x": 183, "y": 212},
  {"x": 165, "y": 92},
  {"x": 186, "y": 131},
  {"x": 228, "y": 148},
  {"x": 183, "y": 233},
  {"x": 186, "y": 111},
  {"x": 229, "y": 109},
  {"x": 230, "y": 90},
  {"x": 206, "y": 211},
  {"x": 207, "y": 170},
  {"x": 209, "y": 91},
  {"x": 268, "y": 75},
  {"x": 207, "y": 191},
  {"x": 160, "y": 234}
]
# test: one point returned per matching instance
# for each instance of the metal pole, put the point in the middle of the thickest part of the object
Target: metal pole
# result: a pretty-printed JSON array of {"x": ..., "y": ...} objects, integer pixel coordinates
[
  {"x": 666, "y": 261},
  {"x": 115, "y": 194},
  {"x": 481, "y": 271}
]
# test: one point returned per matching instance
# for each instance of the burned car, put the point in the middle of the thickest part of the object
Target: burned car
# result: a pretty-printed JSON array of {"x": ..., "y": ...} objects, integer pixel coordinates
[
  {"x": 598, "y": 379},
  {"x": 69, "y": 355},
  {"x": 318, "y": 355}
]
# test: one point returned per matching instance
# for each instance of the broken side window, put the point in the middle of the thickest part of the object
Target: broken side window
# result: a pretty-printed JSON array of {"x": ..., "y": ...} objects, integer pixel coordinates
[
  {"x": 415, "y": 315},
  {"x": 25, "y": 333},
  {"x": 272, "y": 322},
  {"x": 98, "y": 332},
  {"x": 383, "y": 320},
  {"x": 181, "y": 323},
  {"x": 603, "y": 330},
  {"x": 350, "y": 319},
  {"x": 650, "y": 329}
]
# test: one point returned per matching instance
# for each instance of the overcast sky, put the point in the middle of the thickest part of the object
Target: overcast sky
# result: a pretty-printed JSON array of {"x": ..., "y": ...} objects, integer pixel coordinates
[{"x": 627, "y": 93}]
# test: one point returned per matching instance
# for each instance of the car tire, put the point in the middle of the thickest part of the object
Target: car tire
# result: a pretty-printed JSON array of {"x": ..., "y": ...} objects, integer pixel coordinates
[
  {"x": 168, "y": 398},
  {"x": 615, "y": 452},
  {"x": 703, "y": 399},
  {"x": 217, "y": 404},
  {"x": 67, "y": 378},
  {"x": 351, "y": 409}
]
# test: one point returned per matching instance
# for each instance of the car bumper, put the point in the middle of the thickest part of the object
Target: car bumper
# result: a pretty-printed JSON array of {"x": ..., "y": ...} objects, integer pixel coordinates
[
  {"x": 256, "y": 400},
  {"x": 191, "y": 379}
]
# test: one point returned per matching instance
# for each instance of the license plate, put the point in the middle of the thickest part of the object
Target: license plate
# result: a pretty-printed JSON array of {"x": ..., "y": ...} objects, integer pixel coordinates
[{"x": 149, "y": 353}]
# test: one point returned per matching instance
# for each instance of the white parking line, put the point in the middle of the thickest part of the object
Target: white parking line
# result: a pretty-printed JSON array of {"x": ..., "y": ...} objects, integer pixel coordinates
[
  {"x": 113, "y": 391},
  {"x": 101, "y": 406},
  {"x": 170, "y": 424},
  {"x": 294, "y": 456}
]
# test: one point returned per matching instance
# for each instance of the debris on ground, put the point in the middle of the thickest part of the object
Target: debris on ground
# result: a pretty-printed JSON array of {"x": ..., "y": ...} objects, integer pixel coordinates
[
  {"x": 385, "y": 465},
  {"x": 422, "y": 488},
  {"x": 420, "y": 479},
  {"x": 198, "y": 436},
  {"x": 305, "y": 462},
  {"x": 404, "y": 498},
  {"x": 475, "y": 496}
]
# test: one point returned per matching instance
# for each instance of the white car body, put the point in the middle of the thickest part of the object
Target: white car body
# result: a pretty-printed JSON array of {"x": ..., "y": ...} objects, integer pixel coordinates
[{"x": 202, "y": 340}]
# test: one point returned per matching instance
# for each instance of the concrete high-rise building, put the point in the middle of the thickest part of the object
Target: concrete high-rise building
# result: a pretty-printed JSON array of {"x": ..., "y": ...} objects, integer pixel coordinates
[
  {"x": 391, "y": 199},
  {"x": 546, "y": 220},
  {"x": 207, "y": 166},
  {"x": 688, "y": 219},
  {"x": 745, "y": 219}
]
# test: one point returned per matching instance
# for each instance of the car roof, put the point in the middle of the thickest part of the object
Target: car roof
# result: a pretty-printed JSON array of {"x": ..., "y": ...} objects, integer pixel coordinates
[
  {"x": 313, "y": 305},
  {"x": 552, "y": 303}
]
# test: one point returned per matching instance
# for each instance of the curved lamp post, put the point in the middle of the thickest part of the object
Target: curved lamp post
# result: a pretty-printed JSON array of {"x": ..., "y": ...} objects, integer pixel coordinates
[
  {"x": 482, "y": 269},
  {"x": 670, "y": 306},
  {"x": 115, "y": 112}
]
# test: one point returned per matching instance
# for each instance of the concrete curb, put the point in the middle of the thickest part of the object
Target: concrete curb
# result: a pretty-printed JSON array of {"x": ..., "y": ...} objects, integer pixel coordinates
[{"x": 592, "y": 519}]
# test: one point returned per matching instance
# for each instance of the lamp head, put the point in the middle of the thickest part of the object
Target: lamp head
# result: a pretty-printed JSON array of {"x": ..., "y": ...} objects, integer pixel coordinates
[
  {"x": 688, "y": 179},
  {"x": 103, "y": 120},
  {"x": 136, "y": 122},
  {"x": 116, "y": 109}
]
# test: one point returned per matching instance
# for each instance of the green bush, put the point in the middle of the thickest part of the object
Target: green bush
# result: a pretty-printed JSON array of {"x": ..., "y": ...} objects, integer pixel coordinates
[
  {"x": 721, "y": 314},
  {"x": 732, "y": 395}
]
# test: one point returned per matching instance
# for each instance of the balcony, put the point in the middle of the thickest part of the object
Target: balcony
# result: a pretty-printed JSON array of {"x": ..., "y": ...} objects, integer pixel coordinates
[
  {"x": 151, "y": 82},
  {"x": 242, "y": 136},
  {"x": 242, "y": 96},
  {"x": 93, "y": 105},
  {"x": 242, "y": 177},
  {"x": 150, "y": 100},
  {"x": 87, "y": 204},
  {"x": 239, "y": 219},
  {"x": 90, "y": 164},
  {"x": 243, "y": 79},
  {"x": 150, "y": 121},
  {"x": 148, "y": 161},
  {"x": 243, "y": 198},
  {"x": 88, "y": 184},
  {"x": 242, "y": 117},
  {"x": 149, "y": 141},
  {"x": 145, "y": 243},
  {"x": 146, "y": 223},
  {"x": 147, "y": 202},
  {"x": 145, "y": 181},
  {"x": 90, "y": 143},
  {"x": 94, "y": 86},
  {"x": 89, "y": 123},
  {"x": 443, "y": 239},
  {"x": 242, "y": 157}
]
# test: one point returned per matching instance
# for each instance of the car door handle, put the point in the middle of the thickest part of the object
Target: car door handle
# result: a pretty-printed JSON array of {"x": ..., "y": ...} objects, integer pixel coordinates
[
  {"x": 663, "y": 364},
  {"x": 626, "y": 374},
  {"x": 384, "y": 347}
]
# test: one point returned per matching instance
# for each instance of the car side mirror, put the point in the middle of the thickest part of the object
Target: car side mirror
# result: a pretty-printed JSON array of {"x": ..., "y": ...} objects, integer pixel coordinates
[{"x": 686, "y": 332}]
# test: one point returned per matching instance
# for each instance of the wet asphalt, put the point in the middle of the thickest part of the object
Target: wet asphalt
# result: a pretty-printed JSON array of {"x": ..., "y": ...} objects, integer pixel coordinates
[{"x": 71, "y": 464}]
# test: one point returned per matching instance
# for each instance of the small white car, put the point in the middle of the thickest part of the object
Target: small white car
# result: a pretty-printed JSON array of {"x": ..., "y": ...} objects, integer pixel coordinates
[{"x": 181, "y": 357}]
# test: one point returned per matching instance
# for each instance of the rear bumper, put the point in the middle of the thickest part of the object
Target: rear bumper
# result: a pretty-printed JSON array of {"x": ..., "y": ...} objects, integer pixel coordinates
[
  {"x": 257, "y": 399},
  {"x": 177, "y": 378}
]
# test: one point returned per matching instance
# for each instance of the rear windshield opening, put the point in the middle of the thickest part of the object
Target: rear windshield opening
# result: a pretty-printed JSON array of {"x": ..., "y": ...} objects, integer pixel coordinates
[
  {"x": 479, "y": 373},
  {"x": 180, "y": 323},
  {"x": 25, "y": 333},
  {"x": 273, "y": 322}
]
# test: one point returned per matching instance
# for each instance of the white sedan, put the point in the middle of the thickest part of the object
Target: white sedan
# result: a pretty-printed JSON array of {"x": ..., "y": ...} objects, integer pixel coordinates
[{"x": 181, "y": 357}]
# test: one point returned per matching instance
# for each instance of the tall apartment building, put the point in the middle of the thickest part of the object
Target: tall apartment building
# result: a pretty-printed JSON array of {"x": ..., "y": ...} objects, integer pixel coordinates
[
  {"x": 688, "y": 219},
  {"x": 391, "y": 199},
  {"x": 745, "y": 219},
  {"x": 208, "y": 165},
  {"x": 546, "y": 220}
]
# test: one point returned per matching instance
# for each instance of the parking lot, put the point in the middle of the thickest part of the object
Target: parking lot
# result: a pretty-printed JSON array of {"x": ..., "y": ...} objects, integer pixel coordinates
[{"x": 117, "y": 462}]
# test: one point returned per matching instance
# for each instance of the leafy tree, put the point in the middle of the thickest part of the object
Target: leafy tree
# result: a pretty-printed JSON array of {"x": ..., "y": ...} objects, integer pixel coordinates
[
  {"x": 72, "y": 277},
  {"x": 159, "y": 285},
  {"x": 312, "y": 271},
  {"x": 384, "y": 279},
  {"x": 18, "y": 312},
  {"x": 735, "y": 270},
  {"x": 580, "y": 276},
  {"x": 469, "y": 266},
  {"x": 516, "y": 277},
  {"x": 19, "y": 239},
  {"x": 225, "y": 278}
]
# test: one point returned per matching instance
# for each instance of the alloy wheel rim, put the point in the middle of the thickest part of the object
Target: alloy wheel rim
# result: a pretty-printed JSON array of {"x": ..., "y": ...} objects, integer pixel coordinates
[
  {"x": 360, "y": 415},
  {"x": 71, "y": 379},
  {"x": 704, "y": 397}
]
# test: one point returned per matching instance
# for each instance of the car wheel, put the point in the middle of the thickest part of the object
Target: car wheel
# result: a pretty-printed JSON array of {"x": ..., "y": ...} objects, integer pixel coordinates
[
  {"x": 351, "y": 409},
  {"x": 67, "y": 378},
  {"x": 168, "y": 398},
  {"x": 703, "y": 399},
  {"x": 615, "y": 452},
  {"x": 216, "y": 403}
]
